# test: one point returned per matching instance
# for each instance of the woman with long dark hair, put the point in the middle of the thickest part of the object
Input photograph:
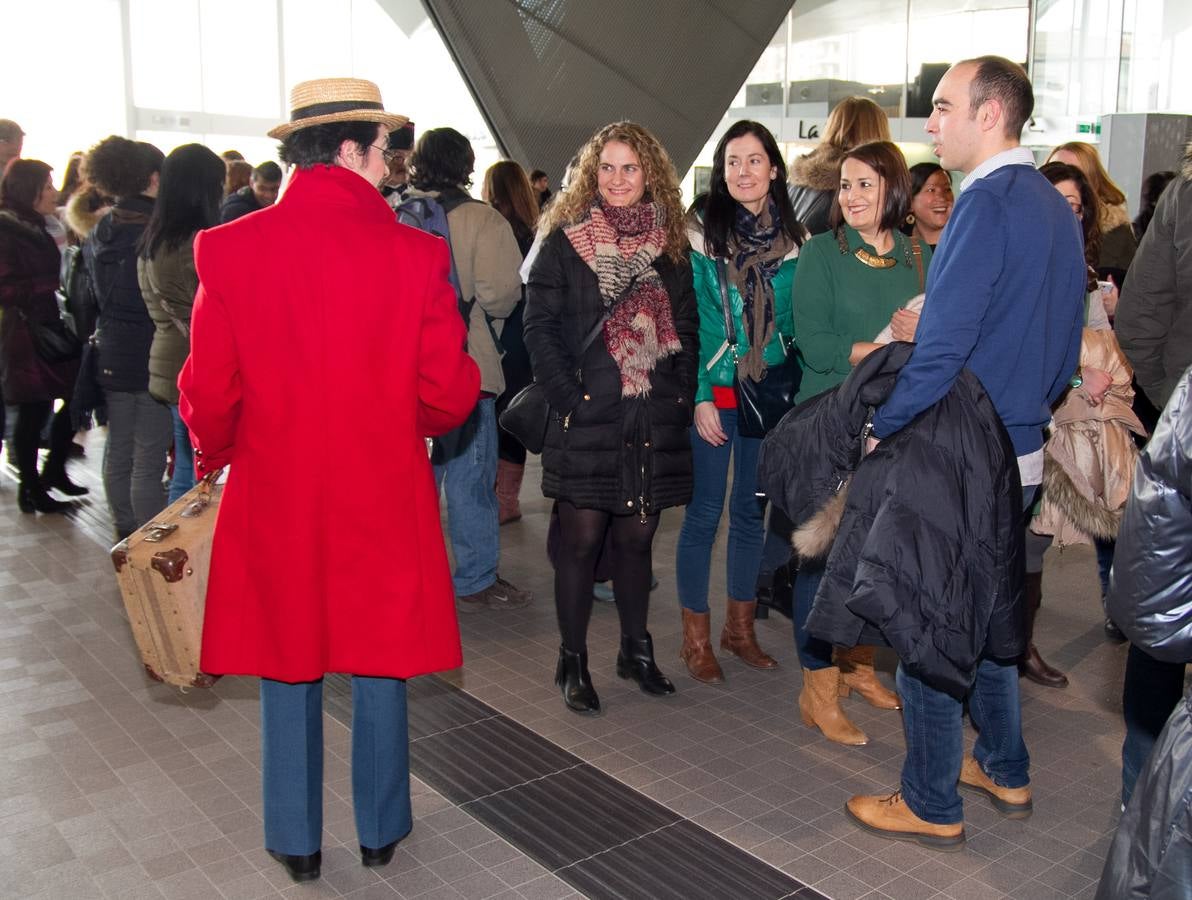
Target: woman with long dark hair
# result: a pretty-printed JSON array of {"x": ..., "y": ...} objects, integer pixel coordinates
[
  {"x": 747, "y": 220},
  {"x": 851, "y": 283},
  {"x": 31, "y": 382},
  {"x": 188, "y": 200},
  {"x": 508, "y": 189},
  {"x": 931, "y": 202},
  {"x": 612, "y": 329}
]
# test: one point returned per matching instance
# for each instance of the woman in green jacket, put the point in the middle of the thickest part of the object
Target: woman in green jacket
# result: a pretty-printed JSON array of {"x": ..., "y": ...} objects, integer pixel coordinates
[
  {"x": 853, "y": 282},
  {"x": 748, "y": 221}
]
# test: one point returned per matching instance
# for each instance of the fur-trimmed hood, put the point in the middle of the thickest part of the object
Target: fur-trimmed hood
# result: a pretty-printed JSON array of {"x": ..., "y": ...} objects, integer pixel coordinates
[
  {"x": 83, "y": 211},
  {"x": 13, "y": 221},
  {"x": 819, "y": 169},
  {"x": 1113, "y": 216}
]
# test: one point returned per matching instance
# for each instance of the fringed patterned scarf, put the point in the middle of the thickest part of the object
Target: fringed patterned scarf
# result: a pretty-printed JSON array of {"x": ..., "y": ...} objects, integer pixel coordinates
[
  {"x": 620, "y": 243},
  {"x": 757, "y": 247}
]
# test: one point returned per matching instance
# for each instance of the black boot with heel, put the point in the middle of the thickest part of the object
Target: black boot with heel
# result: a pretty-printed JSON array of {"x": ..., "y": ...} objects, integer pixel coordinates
[
  {"x": 636, "y": 661},
  {"x": 572, "y": 676}
]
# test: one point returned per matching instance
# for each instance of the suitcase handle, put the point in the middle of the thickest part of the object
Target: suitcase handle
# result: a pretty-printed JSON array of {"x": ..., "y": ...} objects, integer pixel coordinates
[{"x": 206, "y": 485}]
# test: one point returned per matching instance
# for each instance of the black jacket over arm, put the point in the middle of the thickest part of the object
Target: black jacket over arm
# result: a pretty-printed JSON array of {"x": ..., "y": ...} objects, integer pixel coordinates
[
  {"x": 928, "y": 555},
  {"x": 621, "y": 455}
]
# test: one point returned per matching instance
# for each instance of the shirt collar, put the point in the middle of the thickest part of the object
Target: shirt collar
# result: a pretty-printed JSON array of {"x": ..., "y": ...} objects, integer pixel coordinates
[{"x": 1015, "y": 156}]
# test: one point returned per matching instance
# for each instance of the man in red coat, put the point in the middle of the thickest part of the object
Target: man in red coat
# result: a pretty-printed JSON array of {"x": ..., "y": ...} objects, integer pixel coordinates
[{"x": 320, "y": 562}]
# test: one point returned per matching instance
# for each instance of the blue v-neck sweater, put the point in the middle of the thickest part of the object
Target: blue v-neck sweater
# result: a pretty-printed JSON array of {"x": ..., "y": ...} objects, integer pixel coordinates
[{"x": 1005, "y": 300}]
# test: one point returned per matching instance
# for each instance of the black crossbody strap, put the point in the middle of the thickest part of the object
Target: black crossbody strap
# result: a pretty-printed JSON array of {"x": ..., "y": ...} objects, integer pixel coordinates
[{"x": 730, "y": 331}]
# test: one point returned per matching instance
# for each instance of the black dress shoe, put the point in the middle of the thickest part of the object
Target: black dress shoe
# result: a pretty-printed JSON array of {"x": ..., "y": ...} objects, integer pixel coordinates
[
  {"x": 61, "y": 482},
  {"x": 1037, "y": 670},
  {"x": 636, "y": 661},
  {"x": 35, "y": 499},
  {"x": 370, "y": 858},
  {"x": 571, "y": 675},
  {"x": 1113, "y": 632},
  {"x": 300, "y": 868}
]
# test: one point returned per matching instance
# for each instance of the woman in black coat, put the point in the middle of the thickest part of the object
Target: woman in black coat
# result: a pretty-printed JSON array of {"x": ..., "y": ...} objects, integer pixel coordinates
[
  {"x": 28, "y": 278},
  {"x": 613, "y": 275}
]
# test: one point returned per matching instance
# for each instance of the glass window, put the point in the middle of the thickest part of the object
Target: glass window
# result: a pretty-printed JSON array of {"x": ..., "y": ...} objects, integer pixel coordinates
[
  {"x": 166, "y": 60},
  {"x": 239, "y": 57}
]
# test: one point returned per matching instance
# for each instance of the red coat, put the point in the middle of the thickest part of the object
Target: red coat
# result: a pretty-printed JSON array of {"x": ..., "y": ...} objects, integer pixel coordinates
[{"x": 326, "y": 342}]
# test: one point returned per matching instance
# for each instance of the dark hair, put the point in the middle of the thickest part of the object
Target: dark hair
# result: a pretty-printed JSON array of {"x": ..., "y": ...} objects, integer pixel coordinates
[
  {"x": 187, "y": 199},
  {"x": 536, "y": 174},
  {"x": 318, "y": 145},
  {"x": 1090, "y": 212},
  {"x": 122, "y": 168},
  {"x": 920, "y": 172},
  {"x": 997, "y": 78},
  {"x": 720, "y": 209},
  {"x": 887, "y": 160},
  {"x": 511, "y": 195},
  {"x": 1152, "y": 189},
  {"x": 232, "y": 156},
  {"x": 267, "y": 172},
  {"x": 402, "y": 138},
  {"x": 22, "y": 184},
  {"x": 442, "y": 159}
]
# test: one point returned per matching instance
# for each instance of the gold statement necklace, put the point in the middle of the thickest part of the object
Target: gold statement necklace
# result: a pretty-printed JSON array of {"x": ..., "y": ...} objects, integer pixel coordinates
[{"x": 869, "y": 259}]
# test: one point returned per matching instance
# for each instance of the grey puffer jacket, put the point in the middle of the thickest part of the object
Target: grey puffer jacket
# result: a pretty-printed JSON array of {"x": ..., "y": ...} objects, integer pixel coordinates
[
  {"x": 1150, "y": 598},
  {"x": 1154, "y": 315}
]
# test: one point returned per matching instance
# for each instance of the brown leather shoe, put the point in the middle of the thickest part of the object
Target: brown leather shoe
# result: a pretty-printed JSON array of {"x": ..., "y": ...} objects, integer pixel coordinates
[
  {"x": 1013, "y": 803},
  {"x": 819, "y": 704},
  {"x": 1034, "y": 667},
  {"x": 697, "y": 648},
  {"x": 890, "y": 817},
  {"x": 857, "y": 674},
  {"x": 739, "y": 638}
]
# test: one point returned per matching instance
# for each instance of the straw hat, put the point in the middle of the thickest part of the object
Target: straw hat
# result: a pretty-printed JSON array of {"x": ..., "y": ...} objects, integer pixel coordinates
[{"x": 336, "y": 100}]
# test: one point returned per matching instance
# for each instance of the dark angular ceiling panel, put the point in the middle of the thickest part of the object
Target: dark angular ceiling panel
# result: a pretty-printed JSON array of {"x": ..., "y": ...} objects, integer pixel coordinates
[{"x": 548, "y": 73}]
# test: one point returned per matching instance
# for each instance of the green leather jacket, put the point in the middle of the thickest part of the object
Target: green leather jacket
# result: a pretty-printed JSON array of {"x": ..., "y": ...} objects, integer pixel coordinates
[{"x": 716, "y": 365}]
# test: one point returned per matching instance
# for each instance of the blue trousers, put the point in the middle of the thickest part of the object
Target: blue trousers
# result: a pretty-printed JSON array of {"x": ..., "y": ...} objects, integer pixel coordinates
[
  {"x": 292, "y": 763},
  {"x": 468, "y": 477},
  {"x": 184, "y": 458},
  {"x": 932, "y": 722},
  {"x": 693, "y": 555},
  {"x": 814, "y": 653}
]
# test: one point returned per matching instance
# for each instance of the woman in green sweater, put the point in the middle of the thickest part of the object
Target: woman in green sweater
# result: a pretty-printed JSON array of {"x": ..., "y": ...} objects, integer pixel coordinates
[
  {"x": 852, "y": 282},
  {"x": 748, "y": 222}
]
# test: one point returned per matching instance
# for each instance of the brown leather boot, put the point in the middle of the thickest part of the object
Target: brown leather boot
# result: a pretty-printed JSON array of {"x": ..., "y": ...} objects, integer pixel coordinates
[
  {"x": 819, "y": 703},
  {"x": 739, "y": 638},
  {"x": 697, "y": 648},
  {"x": 857, "y": 674},
  {"x": 509, "y": 479},
  {"x": 1013, "y": 803},
  {"x": 1032, "y": 664},
  {"x": 890, "y": 817}
]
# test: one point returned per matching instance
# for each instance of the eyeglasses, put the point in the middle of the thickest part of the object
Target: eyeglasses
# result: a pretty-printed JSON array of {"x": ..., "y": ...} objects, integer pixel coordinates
[{"x": 386, "y": 153}]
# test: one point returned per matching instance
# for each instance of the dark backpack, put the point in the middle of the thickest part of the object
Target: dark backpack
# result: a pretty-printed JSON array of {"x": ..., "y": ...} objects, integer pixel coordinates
[
  {"x": 430, "y": 215},
  {"x": 76, "y": 294}
]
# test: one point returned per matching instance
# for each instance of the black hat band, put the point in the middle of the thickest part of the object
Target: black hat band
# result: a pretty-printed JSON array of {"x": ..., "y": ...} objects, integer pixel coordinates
[{"x": 338, "y": 106}]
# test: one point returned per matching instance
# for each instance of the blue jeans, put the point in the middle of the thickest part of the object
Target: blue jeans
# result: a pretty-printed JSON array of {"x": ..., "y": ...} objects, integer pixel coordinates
[
  {"x": 184, "y": 458},
  {"x": 693, "y": 556},
  {"x": 932, "y": 723},
  {"x": 468, "y": 477},
  {"x": 292, "y": 763},
  {"x": 1104, "y": 550},
  {"x": 813, "y": 652}
]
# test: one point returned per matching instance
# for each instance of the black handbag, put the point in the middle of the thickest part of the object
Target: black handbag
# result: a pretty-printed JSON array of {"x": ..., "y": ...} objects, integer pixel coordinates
[
  {"x": 52, "y": 341},
  {"x": 760, "y": 404},
  {"x": 528, "y": 414}
]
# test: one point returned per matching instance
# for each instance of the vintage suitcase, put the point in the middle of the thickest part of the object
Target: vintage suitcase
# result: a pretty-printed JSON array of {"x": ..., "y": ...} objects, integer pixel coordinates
[{"x": 162, "y": 571}]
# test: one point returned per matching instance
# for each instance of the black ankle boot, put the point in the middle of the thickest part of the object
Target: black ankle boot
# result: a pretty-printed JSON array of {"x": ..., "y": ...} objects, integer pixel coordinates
[
  {"x": 300, "y": 868},
  {"x": 56, "y": 478},
  {"x": 572, "y": 676},
  {"x": 33, "y": 498},
  {"x": 636, "y": 661}
]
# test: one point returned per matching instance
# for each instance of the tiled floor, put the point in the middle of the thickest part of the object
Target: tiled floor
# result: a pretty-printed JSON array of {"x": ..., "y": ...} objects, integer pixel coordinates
[{"x": 113, "y": 786}]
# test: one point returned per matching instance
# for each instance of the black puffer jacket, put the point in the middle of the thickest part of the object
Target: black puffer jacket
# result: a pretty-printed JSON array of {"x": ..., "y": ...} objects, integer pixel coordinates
[
  {"x": 927, "y": 557},
  {"x": 124, "y": 331},
  {"x": 1150, "y": 598},
  {"x": 615, "y": 454}
]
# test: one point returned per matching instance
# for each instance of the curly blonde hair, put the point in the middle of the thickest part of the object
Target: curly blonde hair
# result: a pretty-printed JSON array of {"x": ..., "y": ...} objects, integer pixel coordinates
[{"x": 662, "y": 184}]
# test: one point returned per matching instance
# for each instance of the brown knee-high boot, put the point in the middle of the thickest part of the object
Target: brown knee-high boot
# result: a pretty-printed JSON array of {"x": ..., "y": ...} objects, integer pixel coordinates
[
  {"x": 509, "y": 479},
  {"x": 1032, "y": 664}
]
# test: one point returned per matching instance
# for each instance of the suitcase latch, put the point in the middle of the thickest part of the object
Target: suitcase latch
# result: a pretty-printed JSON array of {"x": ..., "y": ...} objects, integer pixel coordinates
[{"x": 155, "y": 532}]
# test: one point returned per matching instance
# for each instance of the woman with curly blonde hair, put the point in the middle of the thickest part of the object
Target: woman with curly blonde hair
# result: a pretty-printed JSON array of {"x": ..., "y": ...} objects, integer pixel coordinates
[{"x": 612, "y": 330}]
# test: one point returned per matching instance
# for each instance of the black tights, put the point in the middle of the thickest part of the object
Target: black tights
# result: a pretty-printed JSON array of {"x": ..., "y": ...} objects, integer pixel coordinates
[
  {"x": 31, "y": 418},
  {"x": 581, "y": 535}
]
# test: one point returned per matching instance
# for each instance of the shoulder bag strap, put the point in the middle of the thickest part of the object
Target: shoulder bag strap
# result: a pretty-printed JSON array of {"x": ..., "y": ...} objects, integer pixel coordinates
[
  {"x": 918, "y": 251},
  {"x": 730, "y": 332}
]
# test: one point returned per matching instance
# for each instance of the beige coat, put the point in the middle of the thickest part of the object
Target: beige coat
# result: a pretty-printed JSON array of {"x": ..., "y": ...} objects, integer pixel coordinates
[
  {"x": 1089, "y": 457},
  {"x": 487, "y": 260}
]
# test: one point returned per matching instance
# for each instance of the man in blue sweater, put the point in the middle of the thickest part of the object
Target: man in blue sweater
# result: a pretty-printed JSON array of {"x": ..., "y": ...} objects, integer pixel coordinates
[{"x": 1004, "y": 300}]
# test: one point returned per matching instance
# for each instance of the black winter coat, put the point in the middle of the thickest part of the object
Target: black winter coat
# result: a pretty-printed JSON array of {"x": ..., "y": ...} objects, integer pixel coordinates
[
  {"x": 928, "y": 555},
  {"x": 603, "y": 451},
  {"x": 238, "y": 203},
  {"x": 123, "y": 331}
]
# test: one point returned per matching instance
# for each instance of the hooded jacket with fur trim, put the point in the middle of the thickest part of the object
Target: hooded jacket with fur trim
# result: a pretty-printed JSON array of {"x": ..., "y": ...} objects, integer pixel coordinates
[
  {"x": 814, "y": 181},
  {"x": 924, "y": 554}
]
